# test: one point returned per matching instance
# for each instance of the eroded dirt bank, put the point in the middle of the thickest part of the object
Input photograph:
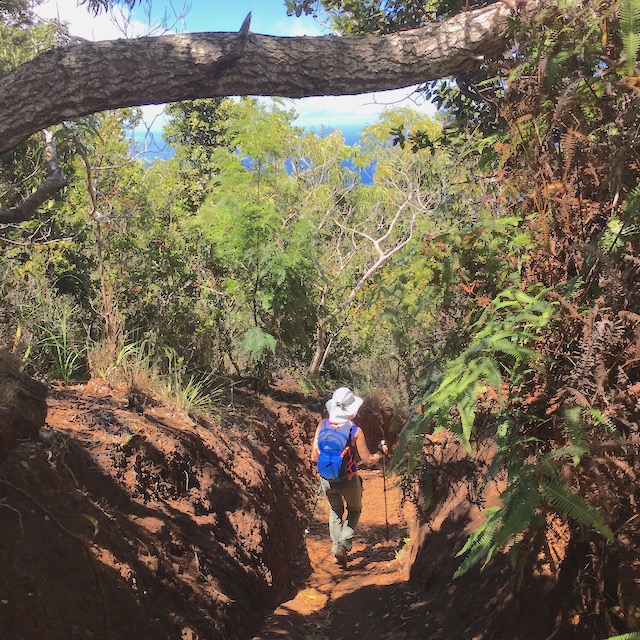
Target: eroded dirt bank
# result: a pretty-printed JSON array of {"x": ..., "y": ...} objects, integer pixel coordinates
[{"x": 120, "y": 525}]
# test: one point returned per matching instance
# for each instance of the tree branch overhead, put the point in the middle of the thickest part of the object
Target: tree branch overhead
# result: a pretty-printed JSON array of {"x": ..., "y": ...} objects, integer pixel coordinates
[{"x": 84, "y": 78}]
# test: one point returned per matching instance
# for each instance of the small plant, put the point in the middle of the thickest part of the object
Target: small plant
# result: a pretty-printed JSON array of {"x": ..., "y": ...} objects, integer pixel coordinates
[
  {"x": 401, "y": 554},
  {"x": 187, "y": 392},
  {"x": 532, "y": 490},
  {"x": 491, "y": 369},
  {"x": 113, "y": 362},
  {"x": 66, "y": 357},
  {"x": 149, "y": 375},
  {"x": 497, "y": 356},
  {"x": 259, "y": 346}
]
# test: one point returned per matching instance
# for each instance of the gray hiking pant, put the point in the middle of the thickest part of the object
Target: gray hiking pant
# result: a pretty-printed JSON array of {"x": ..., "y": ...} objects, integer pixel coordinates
[{"x": 339, "y": 494}]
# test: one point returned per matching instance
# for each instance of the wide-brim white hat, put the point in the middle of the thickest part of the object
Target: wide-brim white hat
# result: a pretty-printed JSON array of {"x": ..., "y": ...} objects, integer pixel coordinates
[{"x": 344, "y": 405}]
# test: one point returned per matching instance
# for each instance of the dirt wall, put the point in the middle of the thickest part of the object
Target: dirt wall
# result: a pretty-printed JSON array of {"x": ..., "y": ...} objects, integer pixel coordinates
[
  {"x": 566, "y": 583},
  {"x": 23, "y": 407},
  {"x": 120, "y": 525}
]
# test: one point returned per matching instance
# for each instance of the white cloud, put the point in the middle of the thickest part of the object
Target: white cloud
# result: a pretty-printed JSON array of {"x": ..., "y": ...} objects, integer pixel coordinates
[
  {"x": 154, "y": 117},
  {"x": 81, "y": 22},
  {"x": 365, "y": 109},
  {"x": 304, "y": 26},
  {"x": 331, "y": 112}
]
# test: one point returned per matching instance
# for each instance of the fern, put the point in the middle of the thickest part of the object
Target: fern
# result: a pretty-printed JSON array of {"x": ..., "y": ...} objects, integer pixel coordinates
[
  {"x": 574, "y": 506},
  {"x": 634, "y": 635},
  {"x": 601, "y": 419},
  {"x": 630, "y": 31},
  {"x": 480, "y": 543},
  {"x": 576, "y": 428},
  {"x": 574, "y": 451},
  {"x": 632, "y": 317},
  {"x": 503, "y": 525},
  {"x": 633, "y": 203},
  {"x": 499, "y": 355},
  {"x": 521, "y": 502},
  {"x": 498, "y": 351}
]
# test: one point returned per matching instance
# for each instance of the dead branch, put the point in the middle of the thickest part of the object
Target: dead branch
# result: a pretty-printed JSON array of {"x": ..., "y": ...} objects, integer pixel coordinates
[{"x": 56, "y": 181}]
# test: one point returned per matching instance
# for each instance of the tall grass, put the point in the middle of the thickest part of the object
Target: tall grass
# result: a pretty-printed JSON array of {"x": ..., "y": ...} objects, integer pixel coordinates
[
  {"x": 155, "y": 374},
  {"x": 55, "y": 342}
]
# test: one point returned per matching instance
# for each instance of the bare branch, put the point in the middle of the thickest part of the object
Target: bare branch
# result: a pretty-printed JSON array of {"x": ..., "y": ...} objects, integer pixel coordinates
[
  {"x": 383, "y": 258},
  {"x": 56, "y": 181}
]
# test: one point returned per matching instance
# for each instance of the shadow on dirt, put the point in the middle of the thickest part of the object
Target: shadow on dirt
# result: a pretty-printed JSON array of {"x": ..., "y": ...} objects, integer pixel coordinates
[{"x": 120, "y": 526}]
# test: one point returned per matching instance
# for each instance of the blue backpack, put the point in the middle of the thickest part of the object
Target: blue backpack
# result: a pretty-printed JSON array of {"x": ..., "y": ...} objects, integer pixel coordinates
[{"x": 336, "y": 457}]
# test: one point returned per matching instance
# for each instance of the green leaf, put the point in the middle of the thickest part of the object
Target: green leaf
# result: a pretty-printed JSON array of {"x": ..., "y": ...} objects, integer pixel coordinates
[
  {"x": 258, "y": 343},
  {"x": 574, "y": 506},
  {"x": 630, "y": 31}
]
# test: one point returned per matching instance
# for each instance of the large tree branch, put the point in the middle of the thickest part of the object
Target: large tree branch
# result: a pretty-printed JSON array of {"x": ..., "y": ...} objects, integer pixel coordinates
[{"x": 79, "y": 79}]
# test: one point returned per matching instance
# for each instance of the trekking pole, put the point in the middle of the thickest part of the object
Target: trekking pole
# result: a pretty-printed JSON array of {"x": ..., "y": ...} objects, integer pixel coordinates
[
  {"x": 313, "y": 513},
  {"x": 384, "y": 487}
]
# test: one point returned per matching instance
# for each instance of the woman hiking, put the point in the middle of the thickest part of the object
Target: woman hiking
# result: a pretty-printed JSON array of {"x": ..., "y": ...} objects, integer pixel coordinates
[{"x": 335, "y": 444}]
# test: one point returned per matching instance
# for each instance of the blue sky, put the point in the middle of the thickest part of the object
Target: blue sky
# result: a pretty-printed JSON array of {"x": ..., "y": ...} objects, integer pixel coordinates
[
  {"x": 349, "y": 113},
  {"x": 267, "y": 16}
]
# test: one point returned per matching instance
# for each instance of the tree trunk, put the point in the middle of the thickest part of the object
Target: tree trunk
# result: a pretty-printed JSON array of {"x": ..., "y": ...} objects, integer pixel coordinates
[
  {"x": 79, "y": 79},
  {"x": 318, "y": 355}
]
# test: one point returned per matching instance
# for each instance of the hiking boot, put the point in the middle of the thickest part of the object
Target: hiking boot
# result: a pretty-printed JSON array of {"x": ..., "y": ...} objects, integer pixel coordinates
[{"x": 341, "y": 557}]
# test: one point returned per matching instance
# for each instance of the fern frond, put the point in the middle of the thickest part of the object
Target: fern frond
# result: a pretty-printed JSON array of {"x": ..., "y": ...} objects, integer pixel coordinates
[
  {"x": 576, "y": 427},
  {"x": 601, "y": 419},
  {"x": 578, "y": 397},
  {"x": 630, "y": 316},
  {"x": 573, "y": 451},
  {"x": 634, "y": 635},
  {"x": 630, "y": 31},
  {"x": 514, "y": 350},
  {"x": 492, "y": 375},
  {"x": 519, "y": 509},
  {"x": 555, "y": 66},
  {"x": 467, "y": 412},
  {"x": 410, "y": 442},
  {"x": 569, "y": 141},
  {"x": 633, "y": 202},
  {"x": 574, "y": 506},
  {"x": 479, "y": 545}
]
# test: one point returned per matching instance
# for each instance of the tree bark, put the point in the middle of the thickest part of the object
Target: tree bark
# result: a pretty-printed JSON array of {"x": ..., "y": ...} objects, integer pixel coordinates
[
  {"x": 79, "y": 79},
  {"x": 318, "y": 355}
]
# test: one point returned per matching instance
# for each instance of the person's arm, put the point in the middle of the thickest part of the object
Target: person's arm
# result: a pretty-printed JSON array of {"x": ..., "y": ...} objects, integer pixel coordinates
[
  {"x": 363, "y": 451},
  {"x": 314, "y": 446}
]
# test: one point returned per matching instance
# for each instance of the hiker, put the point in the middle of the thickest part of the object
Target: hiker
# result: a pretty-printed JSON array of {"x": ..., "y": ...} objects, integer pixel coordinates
[{"x": 336, "y": 441}]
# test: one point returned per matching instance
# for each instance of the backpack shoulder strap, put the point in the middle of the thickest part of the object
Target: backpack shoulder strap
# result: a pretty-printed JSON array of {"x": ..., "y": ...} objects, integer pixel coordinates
[{"x": 353, "y": 430}]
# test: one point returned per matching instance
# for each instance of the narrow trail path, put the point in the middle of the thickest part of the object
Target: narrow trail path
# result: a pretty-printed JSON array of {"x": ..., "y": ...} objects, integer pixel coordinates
[{"x": 371, "y": 598}]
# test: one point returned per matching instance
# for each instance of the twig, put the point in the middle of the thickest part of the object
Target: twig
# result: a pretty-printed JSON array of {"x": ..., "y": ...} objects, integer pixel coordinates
[{"x": 8, "y": 506}]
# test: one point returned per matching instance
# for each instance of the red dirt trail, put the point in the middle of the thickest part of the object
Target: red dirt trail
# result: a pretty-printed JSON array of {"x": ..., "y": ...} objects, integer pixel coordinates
[{"x": 372, "y": 597}]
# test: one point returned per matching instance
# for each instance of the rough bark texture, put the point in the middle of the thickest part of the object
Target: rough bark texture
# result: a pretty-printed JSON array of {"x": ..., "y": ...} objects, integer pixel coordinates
[{"x": 80, "y": 79}]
